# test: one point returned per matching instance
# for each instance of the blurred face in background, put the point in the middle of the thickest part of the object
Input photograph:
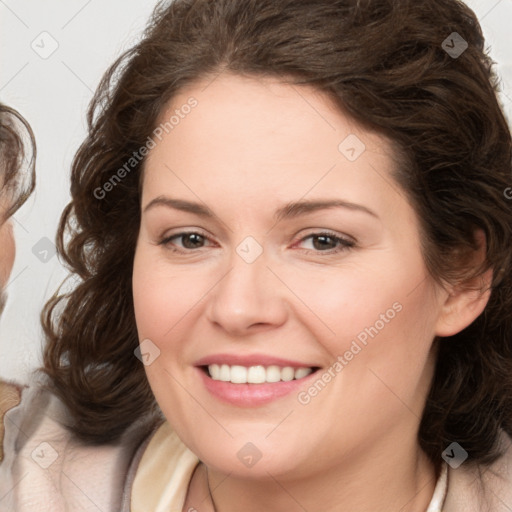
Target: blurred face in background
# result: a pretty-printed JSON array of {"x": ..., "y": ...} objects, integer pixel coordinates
[{"x": 17, "y": 181}]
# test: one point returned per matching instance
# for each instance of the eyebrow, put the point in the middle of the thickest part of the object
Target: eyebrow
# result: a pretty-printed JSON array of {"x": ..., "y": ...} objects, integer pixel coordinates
[{"x": 288, "y": 211}]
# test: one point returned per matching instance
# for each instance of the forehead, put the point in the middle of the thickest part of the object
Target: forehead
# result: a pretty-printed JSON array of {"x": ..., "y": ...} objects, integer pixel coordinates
[
  {"x": 259, "y": 136},
  {"x": 233, "y": 108}
]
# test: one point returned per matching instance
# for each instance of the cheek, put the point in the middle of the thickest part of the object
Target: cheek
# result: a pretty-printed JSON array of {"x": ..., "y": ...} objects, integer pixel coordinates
[
  {"x": 161, "y": 295},
  {"x": 342, "y": 304},
  {"x": 385, "y": 347},
  {"x": 161, "y": 300},
  {"x": 379, "y": 315},
  {"x": 381, "y": 361}
]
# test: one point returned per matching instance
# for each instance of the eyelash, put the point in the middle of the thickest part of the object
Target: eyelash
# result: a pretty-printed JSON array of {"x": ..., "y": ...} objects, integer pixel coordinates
[{"x": 344, "y": 244}]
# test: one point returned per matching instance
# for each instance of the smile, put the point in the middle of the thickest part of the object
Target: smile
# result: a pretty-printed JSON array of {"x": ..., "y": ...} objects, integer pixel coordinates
[
  {"x": 258, "y": 374},
  {"x": 242, "y": 384}
]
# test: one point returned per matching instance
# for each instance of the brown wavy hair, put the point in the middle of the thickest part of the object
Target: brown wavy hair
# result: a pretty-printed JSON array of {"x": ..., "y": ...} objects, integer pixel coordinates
[
  {"x": 17, "y": 160},
  {"x": 383, "y": 62}
]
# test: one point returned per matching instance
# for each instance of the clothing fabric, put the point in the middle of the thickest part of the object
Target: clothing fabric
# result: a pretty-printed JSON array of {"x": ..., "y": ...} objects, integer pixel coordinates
[
  {"x": 163, "y": 473},
  {"x": 45, "y": 469}
]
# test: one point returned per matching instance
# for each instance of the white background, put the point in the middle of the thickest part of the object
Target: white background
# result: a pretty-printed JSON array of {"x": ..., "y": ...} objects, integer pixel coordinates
[{"x": 53, "y": 94}]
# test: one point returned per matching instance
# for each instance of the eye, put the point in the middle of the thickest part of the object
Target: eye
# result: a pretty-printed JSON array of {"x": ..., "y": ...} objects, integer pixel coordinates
[
  {"x": 326, "y": 242},
  {"x": 188, "y": 240}
]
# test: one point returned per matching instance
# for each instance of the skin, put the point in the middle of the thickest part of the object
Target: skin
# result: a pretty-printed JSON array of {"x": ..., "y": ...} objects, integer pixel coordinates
[
  {"x": 7, "y": 256},
  {"x": 251, "y": 146}
]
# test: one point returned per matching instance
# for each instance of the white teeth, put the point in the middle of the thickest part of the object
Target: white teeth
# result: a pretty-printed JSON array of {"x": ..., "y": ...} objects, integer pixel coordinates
[
  {"x": 238, "y": 374},
  {"x": 287, "y": 373},
  {"x": 214, "y": 371},
  {"x": 302, "y": 372},
  {"x": 256, "y": 374},
  {"x": 224, "y": 373},
  {"x": 273, "y": 374}
]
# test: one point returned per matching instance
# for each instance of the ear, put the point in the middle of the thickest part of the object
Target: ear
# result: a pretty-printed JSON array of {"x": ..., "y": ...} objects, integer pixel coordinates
[{"x": 465, "y": 301}]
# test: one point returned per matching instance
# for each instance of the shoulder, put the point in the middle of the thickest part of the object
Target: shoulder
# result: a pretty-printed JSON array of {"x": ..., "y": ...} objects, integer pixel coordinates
[
  {"x": 10, "y": 396},
  {"x": 482, "y": 488},
  {"x": 45, "y": 467}
]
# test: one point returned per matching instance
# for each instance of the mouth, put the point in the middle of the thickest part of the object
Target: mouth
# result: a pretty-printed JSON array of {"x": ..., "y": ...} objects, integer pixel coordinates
[
  {"x": 258, "y": 374},
  {"x": 253, "y": 380}
]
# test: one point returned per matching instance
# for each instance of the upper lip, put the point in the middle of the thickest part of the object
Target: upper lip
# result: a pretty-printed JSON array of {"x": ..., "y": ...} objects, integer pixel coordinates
[{"x": 250, "y": 360}]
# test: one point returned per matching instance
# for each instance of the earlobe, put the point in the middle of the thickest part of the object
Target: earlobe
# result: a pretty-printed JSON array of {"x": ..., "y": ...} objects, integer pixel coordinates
[{"x": 466, "y": 301}]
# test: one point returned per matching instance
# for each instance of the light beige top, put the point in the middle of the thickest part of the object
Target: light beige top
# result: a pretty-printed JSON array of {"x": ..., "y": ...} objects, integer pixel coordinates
[{"x": 165, "y": 470}]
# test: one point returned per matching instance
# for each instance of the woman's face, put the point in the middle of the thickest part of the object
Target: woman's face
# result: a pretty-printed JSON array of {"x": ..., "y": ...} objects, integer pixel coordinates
[{"x": 274, "y": 239}]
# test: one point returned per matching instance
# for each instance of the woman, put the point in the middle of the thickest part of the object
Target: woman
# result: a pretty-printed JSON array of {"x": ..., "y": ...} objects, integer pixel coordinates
[{"x": 293, "y": 241}]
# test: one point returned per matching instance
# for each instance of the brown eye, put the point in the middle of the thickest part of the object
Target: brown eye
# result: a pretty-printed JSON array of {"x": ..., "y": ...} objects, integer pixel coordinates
[
  {"x": 187, "y": 240},
  {"x": 325, "y": 242},
  {"x": 192, "y": 240}
]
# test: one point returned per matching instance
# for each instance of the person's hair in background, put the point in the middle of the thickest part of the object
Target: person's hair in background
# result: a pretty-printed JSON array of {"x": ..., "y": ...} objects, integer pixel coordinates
[
  {"x": 17, "y": 159},
  {"x": 382, "y": 62},
  {"x": 17, "y": 181}
]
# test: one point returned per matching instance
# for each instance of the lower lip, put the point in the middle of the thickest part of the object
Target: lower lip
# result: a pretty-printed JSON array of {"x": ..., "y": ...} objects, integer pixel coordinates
[{"x": 251, "y": 395}]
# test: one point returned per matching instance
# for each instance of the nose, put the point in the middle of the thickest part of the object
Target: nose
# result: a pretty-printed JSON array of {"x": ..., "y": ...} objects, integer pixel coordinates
[{"x": 248, "y": 299}]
